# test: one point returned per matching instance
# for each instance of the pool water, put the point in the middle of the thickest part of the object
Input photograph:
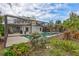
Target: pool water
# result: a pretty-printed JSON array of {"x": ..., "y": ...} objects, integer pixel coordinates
[
  {"x": 43, "y": 33},
  {"x": 48, "y": 33},
  {"x": 28, "y": 36}
]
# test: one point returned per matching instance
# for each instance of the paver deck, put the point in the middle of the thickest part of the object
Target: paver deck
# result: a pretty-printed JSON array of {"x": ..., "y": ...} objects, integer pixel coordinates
[{"x": 16, "y": 40}]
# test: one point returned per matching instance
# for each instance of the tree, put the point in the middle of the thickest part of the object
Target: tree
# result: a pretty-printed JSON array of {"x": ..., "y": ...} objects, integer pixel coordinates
[
  {"x": 50, "y": 25},
  {"x": 0, "y": 19},
  {"x": 58, "y": 22},
  {"x": 1, "y": 27},
  {"x": 72, "y": 23},
  {"x": 58, "y": 26}
]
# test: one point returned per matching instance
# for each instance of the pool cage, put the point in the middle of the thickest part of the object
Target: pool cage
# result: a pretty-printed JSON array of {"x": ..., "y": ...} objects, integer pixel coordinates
[{"x": 12, "y": 25}]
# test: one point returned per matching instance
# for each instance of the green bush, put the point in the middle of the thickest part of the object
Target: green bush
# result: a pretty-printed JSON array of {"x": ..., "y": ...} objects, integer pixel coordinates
[
  {"x": 1, "y": 27},
  {"x": 9, "y": 52},
  {"x": 1, "y": 30},
  {"x": 17, "y": 49},
  {"x": 35, "y": 35},
  {"x": 57, "y": 52},
  {"x": 69, "y": 46},
  {"x": 75, "y": 52},
  {"x": 38, "y": 41}
]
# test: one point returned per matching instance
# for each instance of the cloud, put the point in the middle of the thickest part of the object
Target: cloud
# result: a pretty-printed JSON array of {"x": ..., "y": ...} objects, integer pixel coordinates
[{"x": 42, "y": 11}]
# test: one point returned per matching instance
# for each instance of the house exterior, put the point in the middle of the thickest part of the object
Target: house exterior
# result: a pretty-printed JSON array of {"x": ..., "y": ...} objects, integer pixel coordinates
[{"x": 25, "y": 26}]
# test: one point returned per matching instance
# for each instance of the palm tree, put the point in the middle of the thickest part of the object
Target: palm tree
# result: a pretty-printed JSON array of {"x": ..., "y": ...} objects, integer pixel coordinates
[
  {"x": 58, "y": 25},
  {"x": 50, "y": 25}
]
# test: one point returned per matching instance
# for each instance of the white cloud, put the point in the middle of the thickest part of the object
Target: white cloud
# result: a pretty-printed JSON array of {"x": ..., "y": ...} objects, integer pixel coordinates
[{"x": 40, "y": 10}]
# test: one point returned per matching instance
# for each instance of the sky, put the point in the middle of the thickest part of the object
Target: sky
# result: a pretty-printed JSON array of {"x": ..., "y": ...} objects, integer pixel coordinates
[{"x": 41, "y": 11}]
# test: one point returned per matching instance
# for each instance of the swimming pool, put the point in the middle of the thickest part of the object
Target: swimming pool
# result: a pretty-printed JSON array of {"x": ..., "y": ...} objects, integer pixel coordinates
[
  {"x": 48, "y": 33},
  {"x": 43, "y": 34}
]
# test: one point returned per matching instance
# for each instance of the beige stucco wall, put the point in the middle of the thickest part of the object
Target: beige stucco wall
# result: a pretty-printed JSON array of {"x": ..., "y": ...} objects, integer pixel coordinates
[
  {"x": 23, "y": 28},
  {"x": 34, "y": 29}
]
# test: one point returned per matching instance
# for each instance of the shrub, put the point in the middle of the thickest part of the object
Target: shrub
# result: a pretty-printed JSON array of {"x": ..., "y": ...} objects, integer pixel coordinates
[
  {"x": 57, "y": 52},
  {"x": 75, "y": 52},
  {"x": 76, "y": 35},
  {"x": 2, "y": 34},
  {"x": 35, "y": 35},
  {"x": 67, "y": 35},
  {"x": 17, "y": 49},
  {"x": 38, "y": 41},
  {"x": 9, "y": 52},
  {"x": 1, "y": 30},
  {"x": 65, "y": 45}
]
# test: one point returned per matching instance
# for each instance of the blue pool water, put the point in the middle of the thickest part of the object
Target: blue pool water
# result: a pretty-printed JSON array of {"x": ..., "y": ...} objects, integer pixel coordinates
[{"x": 43, "y": 33}]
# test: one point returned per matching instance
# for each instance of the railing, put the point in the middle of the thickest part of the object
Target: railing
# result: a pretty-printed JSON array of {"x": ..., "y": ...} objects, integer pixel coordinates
[{"x": 19, "y": 24}]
